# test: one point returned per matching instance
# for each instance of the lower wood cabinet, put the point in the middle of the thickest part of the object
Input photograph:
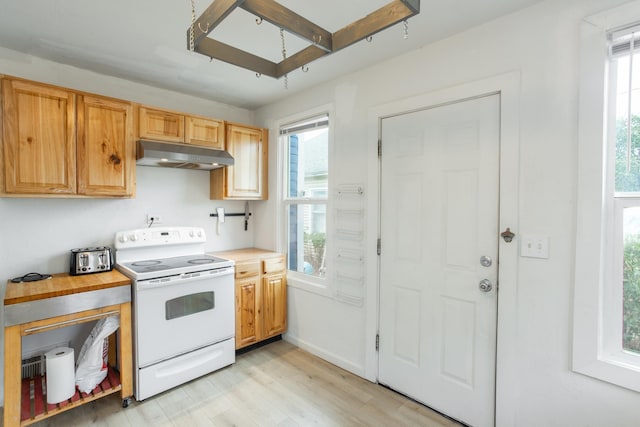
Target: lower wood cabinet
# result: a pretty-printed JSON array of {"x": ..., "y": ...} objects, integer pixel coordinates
[
  {"x": 274, "y": 296},
  {"x": 261, "y": 295},
  {"x": 248, "y": 311}
]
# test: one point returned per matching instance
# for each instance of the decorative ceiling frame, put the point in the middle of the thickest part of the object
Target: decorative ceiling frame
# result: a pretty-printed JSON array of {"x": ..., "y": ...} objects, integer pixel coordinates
[{"x": 322, "y": 41}]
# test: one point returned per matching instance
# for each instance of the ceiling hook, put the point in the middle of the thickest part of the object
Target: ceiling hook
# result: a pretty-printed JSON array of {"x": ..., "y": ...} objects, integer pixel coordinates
[
  {"x": 258, "y": 75},
  {"x": 259, "y": 21},
  {"x": 317, "y": 38},
  {"x": 369, "y": 38},
  {"x": 204, "y": 31},
  {"x": 191, "y": 30},
  {"x": 211, "y": 59},
  {"x": 305, "y": 68}
]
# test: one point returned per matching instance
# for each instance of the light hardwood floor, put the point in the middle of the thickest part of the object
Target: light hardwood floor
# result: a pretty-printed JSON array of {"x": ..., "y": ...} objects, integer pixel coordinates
[{"x": 275, "y": 385}]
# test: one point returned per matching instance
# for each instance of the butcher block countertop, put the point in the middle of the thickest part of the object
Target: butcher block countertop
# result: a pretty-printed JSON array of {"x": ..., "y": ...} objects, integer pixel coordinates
[
  {"x": 239, "y": 255},
  {"x": 62, "y": 284}
]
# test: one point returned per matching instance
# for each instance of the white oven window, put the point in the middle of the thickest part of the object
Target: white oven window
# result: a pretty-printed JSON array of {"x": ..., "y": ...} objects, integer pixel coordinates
[{"x": 189, "y": 304}]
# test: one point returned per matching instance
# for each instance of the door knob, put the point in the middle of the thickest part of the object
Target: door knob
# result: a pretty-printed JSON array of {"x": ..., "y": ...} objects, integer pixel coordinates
[
  {"x": 486, "y": 261},
  {"x": 485, "y": 285}
]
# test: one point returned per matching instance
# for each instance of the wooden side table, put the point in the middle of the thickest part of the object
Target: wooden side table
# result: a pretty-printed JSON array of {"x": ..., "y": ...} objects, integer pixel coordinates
[{"x": 63, "y": 300}]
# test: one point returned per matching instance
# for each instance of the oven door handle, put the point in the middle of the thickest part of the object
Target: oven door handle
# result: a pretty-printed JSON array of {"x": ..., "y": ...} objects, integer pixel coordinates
[{"x": 183, "y": 278}]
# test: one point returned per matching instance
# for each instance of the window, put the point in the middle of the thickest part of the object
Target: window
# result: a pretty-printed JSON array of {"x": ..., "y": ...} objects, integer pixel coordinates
[
  {"x": 624, "y": 143},
  {"x": 305, "y": 146},
  {"x": 606, "y": 335}
]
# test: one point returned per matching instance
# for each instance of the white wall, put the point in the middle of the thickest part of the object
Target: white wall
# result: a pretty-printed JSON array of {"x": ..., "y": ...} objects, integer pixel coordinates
[
  {"x": 541, "y": 45},
  {"x": 37, "y": 234}
]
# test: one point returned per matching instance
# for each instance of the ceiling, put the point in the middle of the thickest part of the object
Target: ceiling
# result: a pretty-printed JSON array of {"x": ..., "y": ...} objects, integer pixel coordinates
[{"x": 146, "y": 40}]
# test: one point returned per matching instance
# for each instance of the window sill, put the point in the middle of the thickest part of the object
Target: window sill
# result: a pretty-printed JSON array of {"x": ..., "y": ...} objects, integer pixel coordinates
[
  {"x": 609, "y": 370},
  {"x": 312, "y": 285}
]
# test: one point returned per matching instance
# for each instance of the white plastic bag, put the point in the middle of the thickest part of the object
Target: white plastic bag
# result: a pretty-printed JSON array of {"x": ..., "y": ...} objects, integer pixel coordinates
[{"x": 91, "y": 367}]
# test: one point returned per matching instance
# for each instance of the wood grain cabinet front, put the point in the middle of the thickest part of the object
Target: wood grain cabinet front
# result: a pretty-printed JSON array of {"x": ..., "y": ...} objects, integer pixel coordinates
[
  {"x": 274, "y": 296},
  {"x": 274, "y": 304},
  {"x": 261, "y": 294},
  {"x": 105, "y": 147},
  {"x": 59, "y": 142},
  {"x": 247, "y": 178},
  {"x": 248, "y": 311},
  {"x": 170, "y": 126},
  {"x": 39, "y": 143},
  {"x": 205, "y": 132},
  {"x": 160, "y": 125}
]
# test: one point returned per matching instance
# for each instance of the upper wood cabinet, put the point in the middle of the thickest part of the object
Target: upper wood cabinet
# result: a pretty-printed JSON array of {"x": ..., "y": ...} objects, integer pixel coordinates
[
  {"x": 39, "y": 138},
  {"x": 60, "y": 142},
  {"x": 205, "y": 132},
  {"x": 169, "y": 126},
  {"x": 161, "y": 125},
  {"x": 105, "y": 147},
  {"x": 247, "y": 178}
]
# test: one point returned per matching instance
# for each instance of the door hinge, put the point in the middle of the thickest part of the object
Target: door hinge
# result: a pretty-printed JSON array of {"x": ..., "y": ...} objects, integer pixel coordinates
[
  {"x": 379, "y": 246},
  {"x": 379, "y": 147},
  {"x": 377, "y": 342}
]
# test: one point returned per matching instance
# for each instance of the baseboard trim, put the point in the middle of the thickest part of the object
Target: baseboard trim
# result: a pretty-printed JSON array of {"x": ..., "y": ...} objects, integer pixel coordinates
[
  {"x": 258, "y": 345},
  {"x": 325, "y": 355}
]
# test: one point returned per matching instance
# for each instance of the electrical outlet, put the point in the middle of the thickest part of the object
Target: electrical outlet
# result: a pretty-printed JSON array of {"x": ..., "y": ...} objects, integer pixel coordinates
[{"x": 154, "y": 219}]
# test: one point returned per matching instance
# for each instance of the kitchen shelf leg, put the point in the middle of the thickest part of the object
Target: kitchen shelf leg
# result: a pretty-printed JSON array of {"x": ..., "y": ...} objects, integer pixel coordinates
[
  {"x": 12, "y": 375},
  {"x": 125, "y": 351}
]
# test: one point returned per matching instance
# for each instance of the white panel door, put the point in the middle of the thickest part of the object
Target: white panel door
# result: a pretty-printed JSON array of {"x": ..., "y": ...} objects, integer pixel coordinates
[{"x": 439, "y": 217}]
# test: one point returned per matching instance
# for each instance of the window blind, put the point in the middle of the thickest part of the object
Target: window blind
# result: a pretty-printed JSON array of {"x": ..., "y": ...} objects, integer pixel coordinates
[
  {"x": 305, "y": 125},
  {"x": 622, "y": 39},
  {"x": 625, "y": 41}
]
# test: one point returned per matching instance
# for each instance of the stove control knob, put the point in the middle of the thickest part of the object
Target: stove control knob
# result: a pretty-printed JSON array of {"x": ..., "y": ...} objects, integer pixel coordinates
[
  {"x": 199, "y": 233},
  {"x": 123, "y": 238},
  {"x": 192, "y": 233},
  {"x": 133, "y": 237}
]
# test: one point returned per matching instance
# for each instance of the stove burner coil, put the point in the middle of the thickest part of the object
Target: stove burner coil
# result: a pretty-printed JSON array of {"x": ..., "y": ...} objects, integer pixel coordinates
[
  {"x": 153, "y": 267},
  {"x": 200, "y": 261},
  {"x": 146, "y": 263}
]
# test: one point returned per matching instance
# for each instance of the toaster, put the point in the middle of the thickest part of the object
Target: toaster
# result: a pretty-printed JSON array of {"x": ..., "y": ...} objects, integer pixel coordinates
[{"x": 91, "y": 260}]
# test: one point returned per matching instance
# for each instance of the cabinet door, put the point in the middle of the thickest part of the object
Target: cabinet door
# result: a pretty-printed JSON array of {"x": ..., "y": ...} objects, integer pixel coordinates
[
  {"x": 274, "y": 300},
  {"x": 205, "y": 132},
  {"x": 39, "y": 138},
  {"x": 247, "y": 178},
  {"x": 105, "y": 147},
  {"x": 248, "y": 312},
  {"x": 161, "y": 125}
]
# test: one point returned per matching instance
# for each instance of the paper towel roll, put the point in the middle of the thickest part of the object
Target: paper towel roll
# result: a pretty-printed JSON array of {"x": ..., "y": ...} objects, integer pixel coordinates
[{"x": 61, "y": 378}]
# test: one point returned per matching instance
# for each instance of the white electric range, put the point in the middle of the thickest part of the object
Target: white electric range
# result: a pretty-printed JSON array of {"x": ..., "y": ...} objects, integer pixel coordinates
[{"x": 183, "y": 306}]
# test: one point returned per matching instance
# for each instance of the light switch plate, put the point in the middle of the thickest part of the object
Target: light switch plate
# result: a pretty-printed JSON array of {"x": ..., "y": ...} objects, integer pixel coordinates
[{"x": 534, "y": 246}]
